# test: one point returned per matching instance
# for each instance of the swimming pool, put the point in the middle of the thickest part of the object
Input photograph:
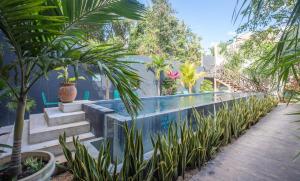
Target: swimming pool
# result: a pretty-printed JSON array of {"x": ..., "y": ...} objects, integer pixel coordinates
[{"x": 108, "y": 116}]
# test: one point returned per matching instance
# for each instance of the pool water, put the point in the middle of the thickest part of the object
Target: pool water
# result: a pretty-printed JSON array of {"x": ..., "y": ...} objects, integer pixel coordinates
[{"x": 166, "y": 103}]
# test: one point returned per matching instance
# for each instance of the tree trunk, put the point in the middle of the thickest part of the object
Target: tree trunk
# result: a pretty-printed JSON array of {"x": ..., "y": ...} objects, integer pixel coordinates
[
  {"x": 107, "y": 88},
  {"x": 15, "y": 164},
  {"x": 190, "y": 89},
  {"x": 158, "y": 87}
]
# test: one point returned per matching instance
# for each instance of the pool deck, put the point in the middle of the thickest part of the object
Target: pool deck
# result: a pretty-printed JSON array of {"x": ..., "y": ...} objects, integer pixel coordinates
[{"x": 265, "y": 152}]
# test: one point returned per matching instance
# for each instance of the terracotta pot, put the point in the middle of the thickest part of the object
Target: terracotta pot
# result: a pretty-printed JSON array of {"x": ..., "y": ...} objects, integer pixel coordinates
[
  {"x": 43, "y": 174},
  {"x": 67, "y": 92}
]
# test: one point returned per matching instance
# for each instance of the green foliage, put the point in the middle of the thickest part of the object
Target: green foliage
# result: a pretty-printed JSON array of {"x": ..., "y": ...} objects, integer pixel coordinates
[
  {"x": 63, "y": 73},
  {"x": 282, "y": 16},
  {"x": 158, "y": 65},
  {"x": 84, "y": 167},
  {"x": 245, "y": 54},
  {"x": 47, "y": 34},
  {"x": 206, "y": 86},
  {"x": 169, "y": 86},
  {"x": 58, "y": 37},
  {"x": 134, "y": 165},
  {"x": 34, "y": 164},
  {"x": 242, "y": 115},
  {"x": 184, "y": 146},
  {"x": 189, "y": 75},
  {"x": 160, "y": 32},
  {"x": 13, "y": 104}
]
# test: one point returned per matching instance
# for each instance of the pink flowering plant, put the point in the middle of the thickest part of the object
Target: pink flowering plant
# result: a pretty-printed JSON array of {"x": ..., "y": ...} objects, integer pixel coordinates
[
  {"x": 173, "y": 75},
  {"x": 169, "y": 85}
]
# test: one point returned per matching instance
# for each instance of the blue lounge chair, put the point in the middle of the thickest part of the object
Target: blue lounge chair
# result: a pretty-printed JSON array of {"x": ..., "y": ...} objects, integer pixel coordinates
[
  {"x": 116, "y": 94},
  {"x": 46, "y": 103},
  {"x": 86, "y": 95},
  {"x": 185, "y": 92}
]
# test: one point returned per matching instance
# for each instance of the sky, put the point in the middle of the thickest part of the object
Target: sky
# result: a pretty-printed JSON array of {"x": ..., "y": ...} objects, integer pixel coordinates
[{"x": 209, "y": 19}]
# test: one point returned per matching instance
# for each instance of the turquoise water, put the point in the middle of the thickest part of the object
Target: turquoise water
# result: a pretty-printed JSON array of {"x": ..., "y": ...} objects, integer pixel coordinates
[{"x": 166, "y": 103}]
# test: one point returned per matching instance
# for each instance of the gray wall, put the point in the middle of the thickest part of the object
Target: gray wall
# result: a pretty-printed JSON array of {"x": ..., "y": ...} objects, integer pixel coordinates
[{"x": 96, "y": 87}]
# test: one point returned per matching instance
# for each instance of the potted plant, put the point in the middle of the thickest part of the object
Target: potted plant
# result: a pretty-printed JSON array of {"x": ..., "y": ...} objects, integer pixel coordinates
[
  {"x": 36, "y": 165},
  {"x": 67, "y": 91}
]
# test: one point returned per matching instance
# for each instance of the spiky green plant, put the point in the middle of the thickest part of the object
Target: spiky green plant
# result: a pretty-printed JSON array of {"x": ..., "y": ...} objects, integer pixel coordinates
[
  {"x": 133, "y": 164},
  {"x": 208, "y": 135},
  {"x": 84, "y": 167},
  {"x": 188, "y": 145}
]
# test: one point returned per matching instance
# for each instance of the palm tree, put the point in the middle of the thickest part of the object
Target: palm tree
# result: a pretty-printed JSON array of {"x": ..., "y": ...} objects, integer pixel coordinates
[
  {"x": 157, "y": 66},
  {"x": 46, "y": 34},
  {"x": 189, "y": 75}
]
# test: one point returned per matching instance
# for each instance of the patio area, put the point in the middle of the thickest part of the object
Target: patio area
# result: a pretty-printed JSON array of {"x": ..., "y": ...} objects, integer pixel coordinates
[{"x": 265, "y": 152}]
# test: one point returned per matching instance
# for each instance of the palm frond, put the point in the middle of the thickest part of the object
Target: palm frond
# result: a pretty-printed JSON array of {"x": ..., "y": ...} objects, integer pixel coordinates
[
  {"x": 25, "y": 27},
  {"x": 98, "y": 12},
  {"x": 109, "y": 60}
]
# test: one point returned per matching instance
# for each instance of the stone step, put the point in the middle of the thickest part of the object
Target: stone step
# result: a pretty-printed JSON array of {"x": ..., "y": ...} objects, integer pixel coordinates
[
  {"x": 39, "y": 131},
  {"x": 54, "y": 147},
  {"x": 54, "y": 116},
  {"x": 74, "y": 106}
]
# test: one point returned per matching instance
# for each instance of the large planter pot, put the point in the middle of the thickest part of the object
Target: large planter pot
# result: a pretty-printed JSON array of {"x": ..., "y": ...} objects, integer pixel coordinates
[
  {"x": 43, "y": 174},
  {"x": 67, "y": 92}
]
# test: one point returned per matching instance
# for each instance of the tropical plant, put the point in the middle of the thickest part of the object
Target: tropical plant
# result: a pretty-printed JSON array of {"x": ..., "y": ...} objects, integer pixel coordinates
[
  {"x": 281, "y": 62},
  {"x": 84, "y": 167},
  {"x": 169, "y": 86},
  {"x": 47, "y": 34},
  {"x": 34, "y": 164},
  {"x": 63, "y": 73},
  {"x": 206, "y": 86},
  {"x": 13, "y": 104},
  {"x": 189, "y": 75},
  {"x": 158, "y": 65},
  {"x": 208, "y": 138},
  {"x": 134, "y": 165},
  {"x": 185, "y": 146}
]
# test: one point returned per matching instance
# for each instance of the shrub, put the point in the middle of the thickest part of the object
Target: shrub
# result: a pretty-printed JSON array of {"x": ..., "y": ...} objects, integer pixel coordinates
[{"x": 206, "y": 86}]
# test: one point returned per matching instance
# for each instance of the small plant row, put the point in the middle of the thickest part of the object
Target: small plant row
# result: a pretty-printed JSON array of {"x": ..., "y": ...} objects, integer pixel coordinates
[{"x": 184, "y": 147}]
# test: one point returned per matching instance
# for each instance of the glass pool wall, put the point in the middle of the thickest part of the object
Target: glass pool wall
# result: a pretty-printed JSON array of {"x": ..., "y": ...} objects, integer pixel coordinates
[{"x": 108, "y": 117}]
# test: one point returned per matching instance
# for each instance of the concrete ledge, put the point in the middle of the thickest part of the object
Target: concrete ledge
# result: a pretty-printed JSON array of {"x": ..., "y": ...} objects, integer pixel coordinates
[
  {"x": 74, "y": 106},
  {"x": 54, "y": 147},
  {"x": 55, "y": 117}
]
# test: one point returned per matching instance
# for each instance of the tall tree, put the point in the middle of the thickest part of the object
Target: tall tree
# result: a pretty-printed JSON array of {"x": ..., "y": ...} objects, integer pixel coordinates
[
  {"x": 160, "y": 32},
  {"x": 283, "y": 16},
  {"x": 46, "y": 34}
]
